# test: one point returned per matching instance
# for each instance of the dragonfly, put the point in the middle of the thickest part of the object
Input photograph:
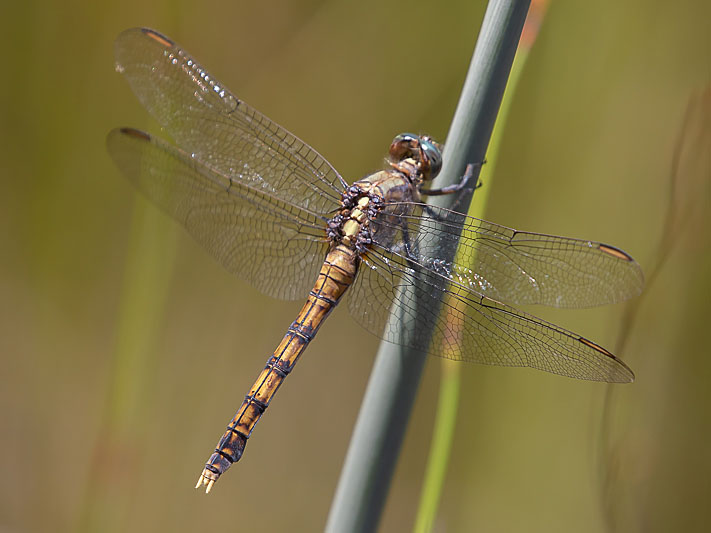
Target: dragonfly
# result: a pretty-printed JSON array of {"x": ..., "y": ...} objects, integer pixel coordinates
[{"x": 274, "y": 212}]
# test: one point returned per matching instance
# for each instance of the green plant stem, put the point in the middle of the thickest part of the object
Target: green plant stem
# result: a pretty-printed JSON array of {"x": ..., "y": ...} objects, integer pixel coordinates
[
  {"x": 450, "y": 382},
  {"x": 382, "y": 421}
]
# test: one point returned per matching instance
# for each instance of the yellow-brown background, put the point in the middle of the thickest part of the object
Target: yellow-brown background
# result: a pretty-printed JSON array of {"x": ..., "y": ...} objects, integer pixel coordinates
[{"x": 95, "y": 440}]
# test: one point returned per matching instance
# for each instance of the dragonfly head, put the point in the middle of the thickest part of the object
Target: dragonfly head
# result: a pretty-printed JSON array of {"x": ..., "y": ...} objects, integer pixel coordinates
[{"x": 423, "y": 151}]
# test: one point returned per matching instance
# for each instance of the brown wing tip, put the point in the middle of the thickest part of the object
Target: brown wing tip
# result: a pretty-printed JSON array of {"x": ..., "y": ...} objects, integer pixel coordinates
[
  {"x": 158, "y": 37},
  {"x": 596, "y": 347},
  {"x": 136, "y": 134},
  {"x": 615, "y": 252},
  {"x": 625, "y": 375}
]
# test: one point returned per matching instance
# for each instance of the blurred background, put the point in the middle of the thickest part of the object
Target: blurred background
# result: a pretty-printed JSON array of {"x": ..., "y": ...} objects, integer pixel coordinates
[{"x": 126, "y": 349}]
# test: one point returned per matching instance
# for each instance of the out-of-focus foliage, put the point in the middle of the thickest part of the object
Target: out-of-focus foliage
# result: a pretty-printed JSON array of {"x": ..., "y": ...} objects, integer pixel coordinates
[{"x": 125, "y": 348}]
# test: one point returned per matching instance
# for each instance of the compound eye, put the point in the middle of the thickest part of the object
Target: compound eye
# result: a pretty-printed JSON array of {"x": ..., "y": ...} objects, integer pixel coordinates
[
  {"x": 406, "y": 137},
  {"x": 403, "y": 146},
  {"x": 433, "y": 155}
]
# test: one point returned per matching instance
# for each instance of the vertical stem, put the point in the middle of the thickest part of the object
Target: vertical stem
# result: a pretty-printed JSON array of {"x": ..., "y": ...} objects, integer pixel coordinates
[
  {"x": 450, "y": 381},
  {"x": 382, "y": 421}
]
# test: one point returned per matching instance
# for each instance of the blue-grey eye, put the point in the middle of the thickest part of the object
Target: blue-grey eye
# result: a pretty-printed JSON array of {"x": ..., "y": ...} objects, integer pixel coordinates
[{"x": 433, "y": 155}]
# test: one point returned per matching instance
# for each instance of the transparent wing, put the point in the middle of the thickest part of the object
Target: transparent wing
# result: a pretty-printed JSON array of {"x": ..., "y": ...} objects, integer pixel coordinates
[
  {"x": 512, "y": 266},
  {"x": 469, "y": 327},
  {"x": 210, "y": 123},
  {"x": 459, "y": 304},
  {"x": 276, "y": 246}
]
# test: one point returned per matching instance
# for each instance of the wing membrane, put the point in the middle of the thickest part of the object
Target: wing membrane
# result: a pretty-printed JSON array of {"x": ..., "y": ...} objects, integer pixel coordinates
[
  {"x": 517, "y": 267},
  {"x": 467, "y": 326},
  {"x": 276, "y": 246},
  {"x": 210, "y": 123}
]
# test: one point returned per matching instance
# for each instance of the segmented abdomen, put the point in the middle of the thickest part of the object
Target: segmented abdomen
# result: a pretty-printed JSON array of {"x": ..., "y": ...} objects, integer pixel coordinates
[{"x": 336, "y": 275}]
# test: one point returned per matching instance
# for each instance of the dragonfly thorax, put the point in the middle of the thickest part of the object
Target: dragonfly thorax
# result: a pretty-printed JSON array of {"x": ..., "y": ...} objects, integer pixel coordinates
[{"x": 351, "y": 225}]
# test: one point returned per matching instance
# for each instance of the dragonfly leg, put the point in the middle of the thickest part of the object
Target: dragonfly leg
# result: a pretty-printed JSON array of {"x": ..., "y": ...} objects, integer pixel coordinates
[
  {"x": 457, "y": 187},
  {"x": 407, "y": 244},
  {"x": 460, "y": 187}
]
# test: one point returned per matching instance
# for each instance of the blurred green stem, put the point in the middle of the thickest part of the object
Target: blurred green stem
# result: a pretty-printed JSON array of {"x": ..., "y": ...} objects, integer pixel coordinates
[
  {"x": 442, "y": 435},
  {"x": 386, "y": 407},
  {"x": 108, "y": 497}
]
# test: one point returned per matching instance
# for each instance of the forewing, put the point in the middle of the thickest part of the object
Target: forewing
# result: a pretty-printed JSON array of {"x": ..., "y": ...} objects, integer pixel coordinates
[
  {"x": 214, "y": 126},
  {"x": 513, "y": 266},
  {"x": 276, "y": 246}
]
